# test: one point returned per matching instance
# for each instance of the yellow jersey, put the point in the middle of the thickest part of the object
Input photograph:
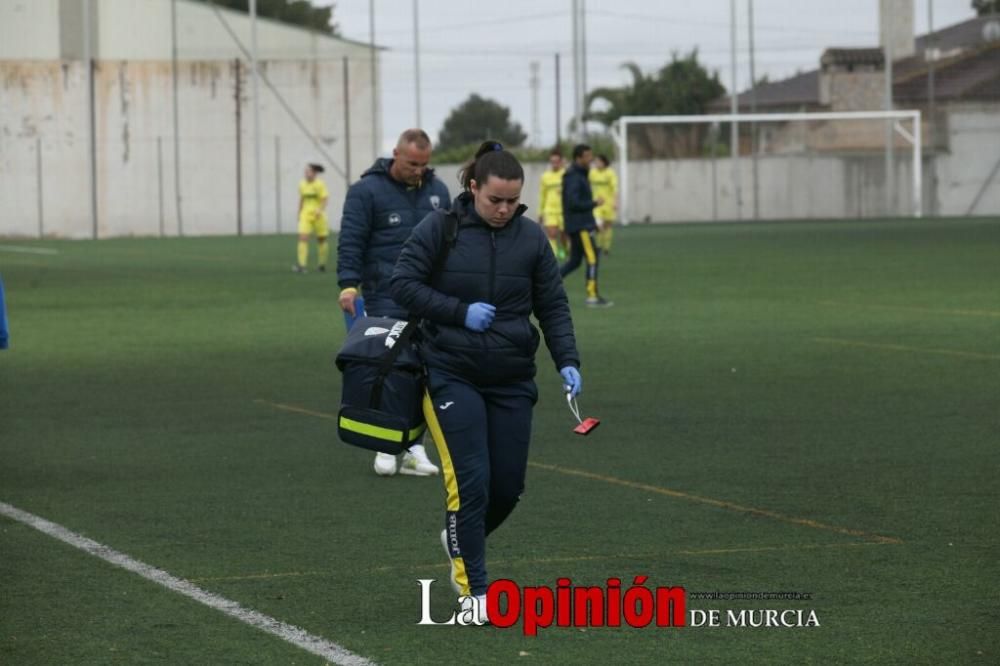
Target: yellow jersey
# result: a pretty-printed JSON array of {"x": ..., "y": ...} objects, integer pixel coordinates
[
  {"x": 550, "y": 193},
  {"x": 604, "y": 183},
  {"x": 312, "y": 195}
]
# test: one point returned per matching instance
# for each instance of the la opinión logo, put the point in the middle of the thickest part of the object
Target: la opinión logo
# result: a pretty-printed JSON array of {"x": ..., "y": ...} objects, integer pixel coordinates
[{"x": 566, "y": 606}]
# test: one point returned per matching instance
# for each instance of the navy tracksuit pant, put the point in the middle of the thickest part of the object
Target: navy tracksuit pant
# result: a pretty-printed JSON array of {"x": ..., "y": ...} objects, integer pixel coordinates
[
  {"x": 482, "y": 436},
  {"x": 583, "y": 247}
]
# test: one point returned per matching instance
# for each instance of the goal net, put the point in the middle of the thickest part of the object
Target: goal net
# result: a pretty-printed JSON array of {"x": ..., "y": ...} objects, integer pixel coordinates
[{"x": 770, "y": 166}]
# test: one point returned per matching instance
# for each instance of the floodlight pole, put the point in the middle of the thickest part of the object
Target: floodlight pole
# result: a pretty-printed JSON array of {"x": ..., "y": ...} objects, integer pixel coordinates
[
  {"x": 176, "y": 117},
  {"x": 753, "y": 109},
  {"x": 918, "y": 167},
  {"x": 930, "y": 56},
  {"x": 256, "y": 114},
  {"x": 583, "y": 68},
  {"x": 558, "y": 103},
  {"x": 734, "y": 132},
  {"x": 575, "y": 10},
  {"x": 416, "y": 59},
  {"x": 88, "y": 59},
  {"x": 373, "y": 53},
  {"x": 890, "y": 179}
]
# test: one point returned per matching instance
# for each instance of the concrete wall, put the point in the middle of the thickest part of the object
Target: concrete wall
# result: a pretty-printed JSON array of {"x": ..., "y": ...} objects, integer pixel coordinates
[
  {"x": 973, "y": 153},
  {"x": 29, "y": 29},
  {"x": 790, "y": 188},
  {"x": 45, "y": 105},
  {"x": 140, "y": 30},
  {"x": 799, "y": 187}
]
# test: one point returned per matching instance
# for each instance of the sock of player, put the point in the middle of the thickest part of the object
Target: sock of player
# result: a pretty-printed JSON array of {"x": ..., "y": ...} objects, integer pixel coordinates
[
  {"x": 323, "y": 250},
  {"x": 609, "y": 232},
  {"x": 591, "y": 288},
  {"x": 554, "y": 244},
  {"x": 303, "y": 253}
]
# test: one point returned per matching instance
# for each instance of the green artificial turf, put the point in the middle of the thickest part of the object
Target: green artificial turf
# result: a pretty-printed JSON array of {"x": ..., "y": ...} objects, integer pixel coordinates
[{"x": 808, "y": 407}]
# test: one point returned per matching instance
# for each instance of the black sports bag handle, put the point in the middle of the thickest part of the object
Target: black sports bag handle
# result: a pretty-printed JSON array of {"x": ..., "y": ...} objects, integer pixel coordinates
[{"x": 388, "y": 360}]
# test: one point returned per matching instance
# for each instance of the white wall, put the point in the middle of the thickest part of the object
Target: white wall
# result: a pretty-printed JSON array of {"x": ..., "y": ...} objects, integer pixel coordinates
[
  {"x": 974, "y": 148},
  {"x": 140, "y": 30},
  {"x": 29, "y": 29},
  {"x": 47, "y": 101}
]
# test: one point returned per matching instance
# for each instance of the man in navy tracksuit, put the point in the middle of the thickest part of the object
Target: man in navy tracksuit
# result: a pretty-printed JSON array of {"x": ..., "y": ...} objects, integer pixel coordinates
[
  {"x": 475, "y": 293},
  {"x": 581, "y": 227},
  {"x": 380, "y": 211}
]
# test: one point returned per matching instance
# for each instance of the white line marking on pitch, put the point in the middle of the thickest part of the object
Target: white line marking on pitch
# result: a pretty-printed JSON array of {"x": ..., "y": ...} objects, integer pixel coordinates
[
  {"x": 286, "y": 632},
  {"x": 28, "y": 250}
]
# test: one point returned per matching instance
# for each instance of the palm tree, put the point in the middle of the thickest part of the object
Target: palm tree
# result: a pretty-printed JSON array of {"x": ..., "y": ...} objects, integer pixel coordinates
[{"x": 681, "y": 87}]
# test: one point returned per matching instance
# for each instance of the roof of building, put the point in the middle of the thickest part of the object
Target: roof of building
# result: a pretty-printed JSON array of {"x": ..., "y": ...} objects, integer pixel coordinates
[{"x": 969, "y": 69}]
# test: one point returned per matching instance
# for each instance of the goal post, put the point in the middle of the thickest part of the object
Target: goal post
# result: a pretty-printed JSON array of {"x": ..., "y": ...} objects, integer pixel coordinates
[{"x": 832, "y": 164}]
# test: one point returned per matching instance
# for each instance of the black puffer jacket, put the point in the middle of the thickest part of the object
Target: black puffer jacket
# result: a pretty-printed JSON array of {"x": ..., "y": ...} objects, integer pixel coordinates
[{"x": 512, "y": 268}]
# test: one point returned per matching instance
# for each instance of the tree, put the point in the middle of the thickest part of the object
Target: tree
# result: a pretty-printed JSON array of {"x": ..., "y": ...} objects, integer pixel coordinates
[
  {"x": 295, "y": 12},
  {"x": 681, "y": 87},
  {"x": 477, "y": 119},
  {"x": 986, "y": 7}
]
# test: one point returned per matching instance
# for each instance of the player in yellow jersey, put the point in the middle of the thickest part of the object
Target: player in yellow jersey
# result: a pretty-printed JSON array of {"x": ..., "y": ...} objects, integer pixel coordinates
[
  {"x": 604, "y": 183},
  {"x": 313, "y": 196},
  {"x": 550, "y": 204}
]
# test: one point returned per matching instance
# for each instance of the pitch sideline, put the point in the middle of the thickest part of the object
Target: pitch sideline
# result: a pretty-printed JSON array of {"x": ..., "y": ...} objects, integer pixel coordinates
[{"x": 320, "y": 647}]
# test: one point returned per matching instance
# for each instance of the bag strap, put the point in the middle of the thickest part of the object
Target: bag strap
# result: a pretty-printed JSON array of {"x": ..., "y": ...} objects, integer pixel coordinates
[
  {"x": 387, "y": 361},
  {"x": 449, "y": 237}
]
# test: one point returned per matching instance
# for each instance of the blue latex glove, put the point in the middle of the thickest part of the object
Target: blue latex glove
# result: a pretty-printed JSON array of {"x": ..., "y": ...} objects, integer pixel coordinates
[
  {"x": 572, "y": 380},
  {"x": 480, "y": 316}
]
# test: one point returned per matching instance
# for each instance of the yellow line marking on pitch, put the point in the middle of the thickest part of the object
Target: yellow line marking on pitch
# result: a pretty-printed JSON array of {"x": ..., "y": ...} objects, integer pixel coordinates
[
  {"x": 722, "y": 504},
  {"x": 296, "y": 410},
  {"x": 914, "y": 308},
  {"x": 660, "y": 490},
  {"x": 552, "y": 560},
  {"x": 905, "y": 348},
  {"x": 640, "y": 556}
]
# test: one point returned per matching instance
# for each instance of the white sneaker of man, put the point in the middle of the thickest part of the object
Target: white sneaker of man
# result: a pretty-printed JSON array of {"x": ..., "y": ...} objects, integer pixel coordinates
[
  {"x": 385, "y": 464},
  {"x": 416, "y": 463}
]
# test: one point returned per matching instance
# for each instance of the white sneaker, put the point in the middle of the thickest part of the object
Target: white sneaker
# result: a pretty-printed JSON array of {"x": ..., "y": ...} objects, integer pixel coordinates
[
  {"x": 416, "y": 463},
  {"x": 451, "y": 574},
  {"x": 385, "y": 464}
]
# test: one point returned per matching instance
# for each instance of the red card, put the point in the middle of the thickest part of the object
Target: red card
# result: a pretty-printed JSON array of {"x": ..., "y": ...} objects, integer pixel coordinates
[{"x": 587, "y": 426}]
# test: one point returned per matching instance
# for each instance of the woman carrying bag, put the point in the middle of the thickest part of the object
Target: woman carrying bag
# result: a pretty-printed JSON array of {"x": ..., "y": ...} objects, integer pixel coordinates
[{"x": 475, "y": 288}]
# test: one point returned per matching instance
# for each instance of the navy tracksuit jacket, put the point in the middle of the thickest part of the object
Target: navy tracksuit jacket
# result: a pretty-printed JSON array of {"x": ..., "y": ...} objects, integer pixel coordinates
[
  {"x": 481, "y": 388},
  {"x": 379, "y": 214}
]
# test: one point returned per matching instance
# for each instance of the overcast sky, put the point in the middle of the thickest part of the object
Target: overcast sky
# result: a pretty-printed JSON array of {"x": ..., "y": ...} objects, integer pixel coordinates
[{"x": 487, "y": 47}]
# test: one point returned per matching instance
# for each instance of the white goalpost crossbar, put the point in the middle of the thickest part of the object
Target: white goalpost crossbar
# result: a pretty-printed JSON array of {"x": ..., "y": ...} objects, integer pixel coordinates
[{"x": 622, "y": 124}]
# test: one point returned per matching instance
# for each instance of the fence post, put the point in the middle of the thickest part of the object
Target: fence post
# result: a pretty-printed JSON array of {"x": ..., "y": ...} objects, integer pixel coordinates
[
  {"x": 347, "y": 125},
  {"x": 38, "y": 170},
  {"x": 277, "y": 179},
  {"x": 159, "y": 179}
]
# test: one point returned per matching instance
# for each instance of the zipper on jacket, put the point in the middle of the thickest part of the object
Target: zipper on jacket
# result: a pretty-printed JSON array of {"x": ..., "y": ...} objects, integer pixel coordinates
[{"x": 493, "y": 265}]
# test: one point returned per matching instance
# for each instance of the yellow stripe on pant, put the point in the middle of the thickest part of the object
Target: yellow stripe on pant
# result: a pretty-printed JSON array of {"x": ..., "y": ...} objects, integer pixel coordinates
[
  {"x": 588, "y": 251},
  {"x": 450, "y": 486}
]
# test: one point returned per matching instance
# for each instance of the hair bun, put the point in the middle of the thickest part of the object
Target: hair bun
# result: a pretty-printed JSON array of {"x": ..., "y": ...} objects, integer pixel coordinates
[{"x": 489, "y": 147}]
